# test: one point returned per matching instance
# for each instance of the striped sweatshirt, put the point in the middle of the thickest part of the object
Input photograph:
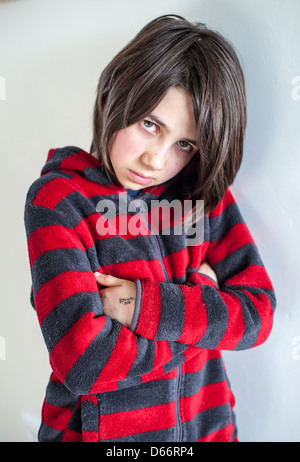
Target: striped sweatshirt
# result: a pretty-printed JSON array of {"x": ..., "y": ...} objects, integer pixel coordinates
[{"x": 163, "y": 379}]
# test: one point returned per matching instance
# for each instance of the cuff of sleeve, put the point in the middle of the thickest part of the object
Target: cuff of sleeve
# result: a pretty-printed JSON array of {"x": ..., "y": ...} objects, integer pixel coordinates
[{"x": 137, "y": 309}]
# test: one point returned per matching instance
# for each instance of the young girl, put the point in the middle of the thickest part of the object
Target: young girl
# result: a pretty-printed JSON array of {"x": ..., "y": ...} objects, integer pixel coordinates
[{"x": 135, "y": 321}]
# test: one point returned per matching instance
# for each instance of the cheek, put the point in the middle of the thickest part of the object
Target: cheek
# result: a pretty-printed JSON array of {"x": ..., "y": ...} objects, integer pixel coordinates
[
  {"x": 124, "y": 146},
  {"x": 176, "y": 166}
]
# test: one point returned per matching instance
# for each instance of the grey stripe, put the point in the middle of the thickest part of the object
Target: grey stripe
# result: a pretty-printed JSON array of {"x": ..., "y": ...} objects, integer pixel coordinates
[
  {"x": 220, "y": 224},
  {"x": 58, "y": 395},
  {"x": 207, "y": 422},
  {"x": 252, "y": 321},
  {"x": 55, "y": 262},
  {"x": 236, "y": 262},
  {"x": 217, "y": 315},
  {"x": 144, "y": 360},
  {"x": 67, "y": 313},
  {"x": 89, "y": 416},
  {"x": 87, "y": 368},
  {"x": 172, "y": 312},
  {"x": 157, "y": 392},
  {"x": 212, "y": 372},
  {"x": 48, "y": 434}
]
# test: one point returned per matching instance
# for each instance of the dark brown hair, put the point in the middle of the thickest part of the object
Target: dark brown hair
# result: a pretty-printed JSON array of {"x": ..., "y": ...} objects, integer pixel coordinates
[{"x": 171, "y": 51}]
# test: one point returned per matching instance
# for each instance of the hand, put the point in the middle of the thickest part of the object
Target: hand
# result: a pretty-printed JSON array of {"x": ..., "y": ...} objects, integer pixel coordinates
[
  {"x": 206, "y": 269},
  {"x": 118, "y": 297}
]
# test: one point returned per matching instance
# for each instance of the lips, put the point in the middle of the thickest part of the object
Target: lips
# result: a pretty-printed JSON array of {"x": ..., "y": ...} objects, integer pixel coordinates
[{"x": 140, "y": 177}]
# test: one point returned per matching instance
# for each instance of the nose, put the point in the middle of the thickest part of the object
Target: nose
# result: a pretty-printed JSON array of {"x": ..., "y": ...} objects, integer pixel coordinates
[{"x": 155, "y": 158}]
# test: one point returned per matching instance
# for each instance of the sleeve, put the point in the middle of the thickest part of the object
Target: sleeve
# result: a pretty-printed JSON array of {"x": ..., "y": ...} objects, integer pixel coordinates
[
  {"x": 88, "y": 352},
  {"x": 235, "y": 315}
]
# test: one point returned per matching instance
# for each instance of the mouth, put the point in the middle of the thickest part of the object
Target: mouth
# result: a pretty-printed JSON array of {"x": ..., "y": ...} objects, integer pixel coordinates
[{"x": 140, "y": 177}]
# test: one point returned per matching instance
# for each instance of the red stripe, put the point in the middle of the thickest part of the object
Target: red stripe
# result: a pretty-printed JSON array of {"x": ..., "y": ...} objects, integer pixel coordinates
[
  {"x": 197, "y": 254},
  {"x": 176, "y": 263},
  {"x": 252, "y": 276},
  {"x": 234, "y": 239},
  {"x": 49, "y": 238},
  {"x": 231, "y": 399},
  {"x": 90, "y": 436},
  {"x": 74, "y": 343},
  {"x": 150, "y": 309},
  {"x": 224, "y": 435},
  {"x": 225, "y": 202},
  {"x": 55, "y": 416},
  {"x": 198, "y": 278},
  {"x": 127, "y": 226},
  {"x": 235, "y": 325},
  {"x": 209, "y": 396},
  {"x": 105, "y": 387},
  {"x": 51, "y": 193},
  {"x": 197, "y": 362},
  {"x": 89, "y": 189},
  {"x": 86, "y": 229},
  {"x": 194, "y": 309},
  {"x": 139, "y": 269},
  {"x": 116, "y": 367},
  {"x": 144, "y": 420},
  {"x": 163, "y": 355},
  {"x": 80, "y": 161},
  {"x": 71, "y": 436},
  {"x": 89, "y": 228},
  {"x": 61, "y": 287}
]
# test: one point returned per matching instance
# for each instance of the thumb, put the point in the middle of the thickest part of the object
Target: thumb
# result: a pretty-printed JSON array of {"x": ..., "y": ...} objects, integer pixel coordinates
[{"x": 107, "y": 280}]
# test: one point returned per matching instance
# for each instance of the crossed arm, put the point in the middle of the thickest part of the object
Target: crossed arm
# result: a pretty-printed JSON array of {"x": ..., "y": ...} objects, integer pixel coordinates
[
  {"x": 86, "y": 349},
  {"x": 119, "y": 295}
]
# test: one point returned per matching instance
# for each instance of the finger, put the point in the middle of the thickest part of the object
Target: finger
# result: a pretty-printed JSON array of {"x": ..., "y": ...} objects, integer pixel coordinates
[{"x": 107, "y": 279}]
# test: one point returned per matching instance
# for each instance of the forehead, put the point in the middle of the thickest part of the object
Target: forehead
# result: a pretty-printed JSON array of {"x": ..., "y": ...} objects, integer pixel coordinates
[{"x": 175, "y": 113}]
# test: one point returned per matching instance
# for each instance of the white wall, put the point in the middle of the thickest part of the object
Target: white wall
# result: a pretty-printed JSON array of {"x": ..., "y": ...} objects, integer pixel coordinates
[{"x": 51, "y": 54}]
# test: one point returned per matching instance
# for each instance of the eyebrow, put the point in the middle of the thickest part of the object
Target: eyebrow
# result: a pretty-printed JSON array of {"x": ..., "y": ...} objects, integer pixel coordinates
[{"x": 160, "y": 122}]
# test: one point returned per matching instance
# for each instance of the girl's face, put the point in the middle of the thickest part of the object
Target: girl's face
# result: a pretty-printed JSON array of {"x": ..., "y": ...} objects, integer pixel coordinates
[{"x": 158, "y": 147}]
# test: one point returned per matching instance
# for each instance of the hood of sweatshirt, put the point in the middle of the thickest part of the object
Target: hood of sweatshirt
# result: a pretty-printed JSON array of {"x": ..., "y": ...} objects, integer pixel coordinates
[{"x": 77, "y": 161}]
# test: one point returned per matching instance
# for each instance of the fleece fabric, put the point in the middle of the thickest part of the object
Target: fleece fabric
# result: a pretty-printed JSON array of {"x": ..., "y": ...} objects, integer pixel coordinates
[{"x": 162, "y": 380}]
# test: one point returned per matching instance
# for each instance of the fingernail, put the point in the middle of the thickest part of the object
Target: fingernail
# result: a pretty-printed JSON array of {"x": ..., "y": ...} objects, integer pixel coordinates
[{"x": 97, "y": 274}]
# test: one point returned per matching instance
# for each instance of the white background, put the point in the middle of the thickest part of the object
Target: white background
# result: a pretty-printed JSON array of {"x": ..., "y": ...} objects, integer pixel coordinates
[{"x": 51, "y": 55}]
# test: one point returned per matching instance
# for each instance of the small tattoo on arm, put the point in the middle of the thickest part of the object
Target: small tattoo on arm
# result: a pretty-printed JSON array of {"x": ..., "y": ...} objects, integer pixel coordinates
[{"x": 126, "y": 301}]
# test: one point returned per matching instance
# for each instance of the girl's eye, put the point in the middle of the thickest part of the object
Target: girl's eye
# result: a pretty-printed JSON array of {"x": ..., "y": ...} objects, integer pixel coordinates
[
  {"x": 149, "y": 126},
  {"x": 185, "y": 145}
]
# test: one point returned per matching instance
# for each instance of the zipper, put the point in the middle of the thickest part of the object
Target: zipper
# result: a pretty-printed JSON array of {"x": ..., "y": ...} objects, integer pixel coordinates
[
  {"x": 178, "y": 416},
  {"x": 152, "y": 236},
  {"x": 160, "y": 258},
  {"x": 179, "y": 368}
]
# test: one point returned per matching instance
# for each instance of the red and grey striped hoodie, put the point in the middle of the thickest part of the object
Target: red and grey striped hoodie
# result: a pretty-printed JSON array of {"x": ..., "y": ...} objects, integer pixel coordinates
[{"x": 162, "y": 380}]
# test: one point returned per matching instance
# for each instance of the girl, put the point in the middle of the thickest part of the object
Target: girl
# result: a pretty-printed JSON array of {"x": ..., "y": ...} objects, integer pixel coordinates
[{"x": 135, "y": 321}]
